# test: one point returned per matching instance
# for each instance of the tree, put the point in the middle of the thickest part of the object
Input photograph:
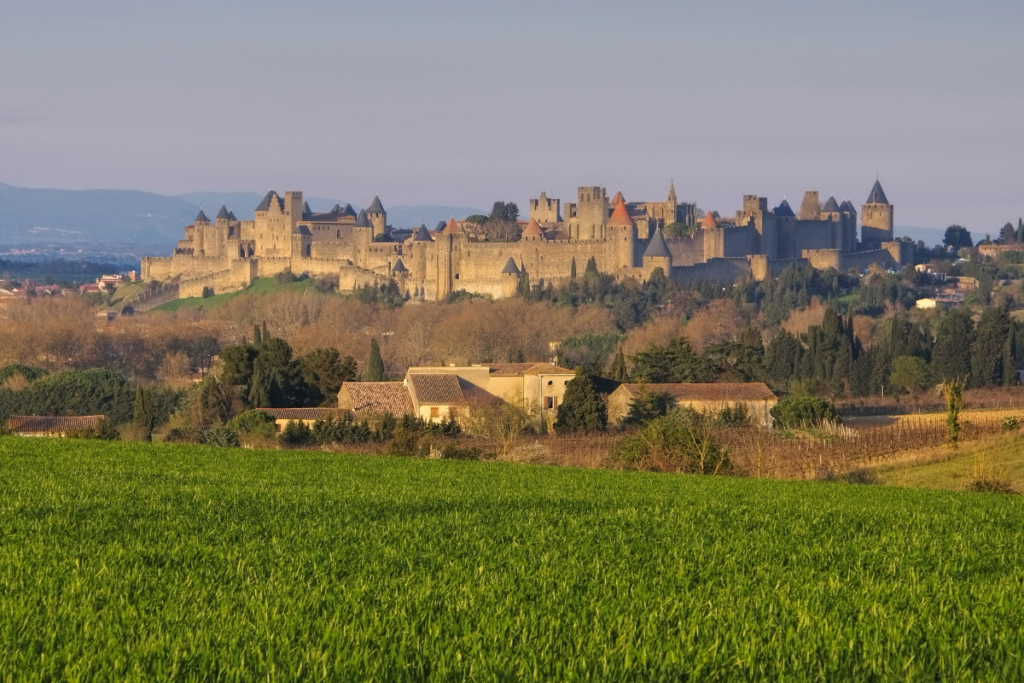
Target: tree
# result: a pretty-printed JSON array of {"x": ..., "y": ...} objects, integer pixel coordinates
[
  {"x": 259, "y": 394},
  {"x": 911, "y": 373},
  {"x": 1007, "y": 234},
  {"x": 374, "y": 364},
  {"x": 677, "y": 362},
  {"x": 591, "y": 270},
  {"x": 782, "y": 358},
  {"x": 257, "y": 337},
  {"x": 618, "y": 371},
  {"x": 647, "y": 405},
  {"x": 798, "y": 411},
  {"x": 987, "y": 352},
  {"x": 324, "y": 371},
  {"x": 572, "y": 269},
  {"x": 144, "y": 418},
  {"x": 581, "y": 410},
  {"x": 951, "y": 356},
  {"x": 957, "y": 236},
  {"x": 953, "y": 390}
]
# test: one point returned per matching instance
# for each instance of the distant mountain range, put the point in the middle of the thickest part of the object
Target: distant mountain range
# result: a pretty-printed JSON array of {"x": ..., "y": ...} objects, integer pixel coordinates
[{"x": 149, "y": 220}]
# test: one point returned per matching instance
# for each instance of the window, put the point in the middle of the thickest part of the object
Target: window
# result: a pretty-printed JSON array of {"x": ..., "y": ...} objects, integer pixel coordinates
[
  {"x": 435, "y": 412},
  {"x": 550, "y": 382},
  {"x": 549, "y": 402}
]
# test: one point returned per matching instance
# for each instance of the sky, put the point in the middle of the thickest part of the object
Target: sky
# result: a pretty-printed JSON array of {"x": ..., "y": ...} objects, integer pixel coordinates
[{"x": 469, "y": 101}]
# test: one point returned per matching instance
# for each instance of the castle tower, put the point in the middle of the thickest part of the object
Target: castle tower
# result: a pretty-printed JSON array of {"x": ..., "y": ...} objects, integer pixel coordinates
[
  {"x": 378, "y": 216},
  {"x": 509, "y": 278},
  {"x": 591, "y": 214},
  {"x": 622, "y": 230},
  {"x": 672, "y": 205},
  {"x": 657, "y": 255},
  {"x": 201, "y": 224},
  {"x": 849, "y": 226},
  {"x": 546, "y": 210},
  {"x": 785, "y": 227},
  {"x": 810, "y": 208},
  {"x": 532, "y": 232},
  {"x": 834, "y": 216},
  {"x": 293, "y": 208},
  {"x": 714, "y": 237},
  {"x": 876, "y": 216}
]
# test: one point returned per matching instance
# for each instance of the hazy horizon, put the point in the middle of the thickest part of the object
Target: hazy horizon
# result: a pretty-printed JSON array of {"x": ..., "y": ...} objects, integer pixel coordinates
[{"x": 460, "y": 103}]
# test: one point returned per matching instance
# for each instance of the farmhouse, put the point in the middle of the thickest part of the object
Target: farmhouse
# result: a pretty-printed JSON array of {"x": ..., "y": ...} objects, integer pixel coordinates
[
  {"x": 756, "y": 397},
  {"x": 282, "y": 416}
]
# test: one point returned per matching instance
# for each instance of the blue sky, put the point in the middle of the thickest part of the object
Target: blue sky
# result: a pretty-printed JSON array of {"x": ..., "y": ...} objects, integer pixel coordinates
[{"x": 460, "y": 102}]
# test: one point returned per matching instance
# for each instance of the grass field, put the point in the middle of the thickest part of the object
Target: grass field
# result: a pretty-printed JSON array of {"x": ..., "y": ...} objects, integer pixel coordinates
[
  {"x": 999, "y": 457},
  {"x": 259, "y": 287},
  {"x": 132, "y": 562}
]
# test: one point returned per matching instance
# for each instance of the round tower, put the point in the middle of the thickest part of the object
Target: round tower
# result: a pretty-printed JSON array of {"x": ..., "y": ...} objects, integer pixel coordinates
[
  {"x": 378, "y": 217},
  {"x": 622, "y": 231}
]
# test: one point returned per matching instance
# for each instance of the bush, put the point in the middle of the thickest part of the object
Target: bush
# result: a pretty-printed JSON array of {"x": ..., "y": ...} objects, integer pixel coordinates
[
  {"x": 992, "y": 485},
  {"x": 253, "y": 424},
  {"x": 674, "y": 442},
  {"x": 207, "y": 292},
  {"x": 221, "y": 435},
  {"x": 804, "y": 410},
  {"x": 735, "y": 416},
  {"x": 296, "y": 433},
  {"x": 184, "y": 435},
  {"x": 1011, "y": 423},
  {"x": 453, "y": 452}
]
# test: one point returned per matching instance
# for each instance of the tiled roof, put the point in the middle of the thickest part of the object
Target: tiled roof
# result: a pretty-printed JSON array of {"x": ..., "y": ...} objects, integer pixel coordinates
[
  {"x": 719, "y": 391},
  {"x": 376, "y": 206},
  {"x": 379, "y": 397},
  {"x": 201, "y": 217},
  {"x": 269, "y": 197},
  {"x": 436, "y": 389},
  {"x": 32, "y": 424},
  {"x": 304, "y": 413},
  {"x": 831, "y": 206},
  {"x": 657, "y": 246},
  {"x": 223, "y": 213},
  {"x": 784, "y": 210},
  {"x": 399, "y": 267},
  {"x": 519, "y": 369},
  {"x": 533, "y": 229},
  {"x": 877, "y": 195},
  {"x": 620, "y": 216},
  {"x": 709, "y": 221},
  {"x": 618, "y": 198},
  {"x": 422, "y": 235},
  {"x": 362, "y": 220},
  {"x": 452, "y": 228},
  {"x": 510, "y": 267}
]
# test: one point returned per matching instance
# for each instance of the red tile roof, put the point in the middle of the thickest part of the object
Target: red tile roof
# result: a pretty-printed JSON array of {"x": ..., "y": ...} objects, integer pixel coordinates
[
  {"x": 709, "y": 221},
  {"x": 34, "y": 424},
  {"x": 532, "y": 229},
  {"x": 304, "y": 413},
  {"x": 719, "y": 391},
  {"x": 620, "y": 216},
  {"x": 520, "y": 369},
  {"x": 452, "y": 228},
  {"x": 618, "y": 198},
  {"x": 377, "y": 397},
  {"x": 440, "y": 389}
]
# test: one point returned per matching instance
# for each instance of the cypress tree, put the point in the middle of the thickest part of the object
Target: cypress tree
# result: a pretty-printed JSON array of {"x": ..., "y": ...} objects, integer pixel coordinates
[
  {"x": 1009, "y": 356},
  {"x": 572, "y": 269},
  {"x": 591, "y": 270},
  {"x": 1020, "y": 229},
  {"x": 266, "y": 335},
  {"x": 987, "y": 353},
  {"x": 618, "y": 371},
  {"x": 259, "y": 395},
  {"x": 582, "y": 410},
  {"x": 144, "y": 418},
  {"x": 951, "y": 354},
  {"x": 257, "y": 337},
  {"x": 524, "y": 285},
  {"x": 374, "y": 364}
]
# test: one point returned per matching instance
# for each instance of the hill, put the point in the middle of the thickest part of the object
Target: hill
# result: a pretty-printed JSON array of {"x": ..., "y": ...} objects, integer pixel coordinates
[
  {"x": 139, "y": 561},
  {"x": 258, "y": 287}
]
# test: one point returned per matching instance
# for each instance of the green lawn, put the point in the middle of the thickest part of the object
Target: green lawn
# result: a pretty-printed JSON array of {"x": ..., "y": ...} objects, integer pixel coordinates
[
  {"x": 149, "y": 562},
  {"x": 1002, "y": 458},
  {"x": 259, "y": 287}
]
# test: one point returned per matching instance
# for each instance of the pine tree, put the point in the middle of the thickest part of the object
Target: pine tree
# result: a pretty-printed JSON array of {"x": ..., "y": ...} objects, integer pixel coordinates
[
  {"x": 582, "y": 410},
  {"x": 618, "y": 370},
  {"x": 374, "y": 364},
  {"x": 751, "y": 336}
]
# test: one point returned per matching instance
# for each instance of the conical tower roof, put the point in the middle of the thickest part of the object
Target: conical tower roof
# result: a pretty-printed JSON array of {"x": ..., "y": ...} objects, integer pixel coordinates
[
  {"x": 267, "y": 198},
  {"x": 362, "y": 220},
  {"x": 657, "y": 246},
  {"x": 783, "y": 210},
  {"x": 376, "y": 206},
  {"x": 618, "y": 198},
  {"x": 452, "y": 228},
  {"x": 620, "y": 216},
  {"x": 847, "y": 205},
  {"x": 709, "y": 221},
  {"x": 231, "y": 215},
  {"x": 336, "y": 209},
  {"x": 201, "y": 217},
  {"x": 532, "y": 229},
  {"x": 831, "y": 206},
  {"x": 399, "y": 267},
  {"x": 306, "y": 210},
  {"x": 510, "y": 267},
  {"x": 877, "y": 195},
  {"x": 348, "y": 211},
  {"x": 422, "y": 235},
  {"x": 223, "y": 213}
]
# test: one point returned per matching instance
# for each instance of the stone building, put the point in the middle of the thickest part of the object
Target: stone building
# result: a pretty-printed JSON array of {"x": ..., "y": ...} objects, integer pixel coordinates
[
  {"x": 625, "y": 239},
  {"x": 755, "y": 397}
]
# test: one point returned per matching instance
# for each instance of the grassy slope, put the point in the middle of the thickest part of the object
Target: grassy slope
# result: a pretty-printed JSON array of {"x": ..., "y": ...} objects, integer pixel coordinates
[
  {"x": 259, "y": 287},
  {"x": 128, "y": 561},
  {"x": 1000, "y": 457}
]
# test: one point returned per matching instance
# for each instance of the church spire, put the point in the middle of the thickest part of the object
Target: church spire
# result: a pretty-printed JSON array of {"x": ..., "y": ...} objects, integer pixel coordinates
[{"x": 672, "y": 193}]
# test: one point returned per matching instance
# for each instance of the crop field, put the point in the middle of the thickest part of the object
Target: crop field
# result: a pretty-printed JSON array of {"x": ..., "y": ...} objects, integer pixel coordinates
[{"x": 154, "y": 562}]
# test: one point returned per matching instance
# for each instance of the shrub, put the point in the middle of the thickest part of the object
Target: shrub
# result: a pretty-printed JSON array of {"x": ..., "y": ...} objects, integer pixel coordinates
[
  {"x": 1011, "y": 423},
  {"x": 296, "y": 433},
  {"x": 674, "y": 442},
  {"x": 184, "y": 435},
  {"x": 221, "y": 435},
  {"x": 735, "y": 416},
  {"x": 254, "y": 424},
  {"x": 804, "y": 410},
  {"x": 453, "y": 452},
  {"x": 207, "y": 292},
  {"x": 992, "y": 485}
]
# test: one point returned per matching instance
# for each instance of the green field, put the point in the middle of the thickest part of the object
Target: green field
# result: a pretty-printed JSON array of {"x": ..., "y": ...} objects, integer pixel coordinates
[
  {"x": 259, "y": 287},
  {"x": 132, "y": 562}
]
